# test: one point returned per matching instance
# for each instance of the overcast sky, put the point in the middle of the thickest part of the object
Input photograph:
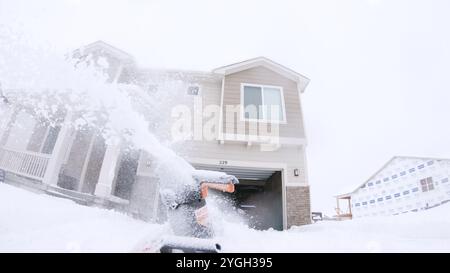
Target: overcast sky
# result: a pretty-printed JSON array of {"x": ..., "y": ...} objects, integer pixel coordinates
[{"x": 379, "y": 70}]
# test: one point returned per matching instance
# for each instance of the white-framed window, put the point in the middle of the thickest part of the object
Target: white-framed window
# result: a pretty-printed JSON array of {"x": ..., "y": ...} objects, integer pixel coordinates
[
  {"x": 152, "y": 88},
  {"x": 194, "y": 90},
  {"x": 427, "y": 184},
  {"x": 263, "y": 103}
]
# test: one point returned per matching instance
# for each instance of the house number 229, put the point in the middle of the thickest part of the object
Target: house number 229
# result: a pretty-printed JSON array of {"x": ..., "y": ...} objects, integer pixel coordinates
[{"x": 223, "y": 162}]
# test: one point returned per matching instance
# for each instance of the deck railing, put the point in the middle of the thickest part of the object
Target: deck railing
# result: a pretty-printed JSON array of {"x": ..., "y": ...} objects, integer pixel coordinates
[{"x": 25, "y": 163}]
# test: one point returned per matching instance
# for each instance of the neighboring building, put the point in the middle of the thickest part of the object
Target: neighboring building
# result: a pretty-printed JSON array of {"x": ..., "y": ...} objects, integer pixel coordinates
[
  {"x": 402, "y": 185},
  {"x": 79, "y": 164}
]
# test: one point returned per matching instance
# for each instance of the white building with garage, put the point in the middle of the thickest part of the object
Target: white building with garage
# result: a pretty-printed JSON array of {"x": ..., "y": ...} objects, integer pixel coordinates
[{"x": 402, "y": 185}]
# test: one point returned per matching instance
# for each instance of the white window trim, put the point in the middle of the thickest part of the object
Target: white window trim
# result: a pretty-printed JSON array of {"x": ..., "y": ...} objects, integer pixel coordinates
[
  {"x": 199, "y": 89},
  {"x": 263, "y": 120}
]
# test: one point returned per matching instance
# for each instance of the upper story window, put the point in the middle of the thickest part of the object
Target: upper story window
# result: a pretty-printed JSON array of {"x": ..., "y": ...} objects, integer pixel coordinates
[
  {"x": 263, "y": 103},
  {"x": 193, "y": 90},
  {"x": 152, "y": 88}
]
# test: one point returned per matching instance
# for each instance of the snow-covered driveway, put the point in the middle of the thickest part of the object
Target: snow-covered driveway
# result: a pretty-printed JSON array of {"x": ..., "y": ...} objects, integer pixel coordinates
[{"x": 37, "y": 222}]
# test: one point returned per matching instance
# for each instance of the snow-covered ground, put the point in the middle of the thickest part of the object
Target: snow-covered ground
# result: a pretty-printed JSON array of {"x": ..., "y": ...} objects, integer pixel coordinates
[{"x": 41, "y": 223}]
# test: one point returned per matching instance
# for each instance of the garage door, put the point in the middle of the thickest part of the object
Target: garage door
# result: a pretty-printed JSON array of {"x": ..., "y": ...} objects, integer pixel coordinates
[{"x": 259, "y": 194}]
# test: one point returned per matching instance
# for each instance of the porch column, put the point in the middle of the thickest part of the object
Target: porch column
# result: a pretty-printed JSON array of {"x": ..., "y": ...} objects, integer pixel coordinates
[
  {"x": 338, "y": 210},
  {"x": 105, "y": 182},
  {"x": 59, "y": 151},
  {"x": 349, "y": 205}
]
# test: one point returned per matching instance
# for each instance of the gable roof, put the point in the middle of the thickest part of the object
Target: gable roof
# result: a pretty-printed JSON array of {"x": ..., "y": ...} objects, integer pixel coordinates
[
  {"x": 265, "y": 62},
  {"x": 384, "y": 166},
  {"x": 301, "y": 80},
  {"x": 118, "y": 53}
]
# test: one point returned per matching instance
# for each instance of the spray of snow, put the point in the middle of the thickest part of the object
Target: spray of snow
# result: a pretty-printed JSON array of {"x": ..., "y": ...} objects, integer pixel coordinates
[{"x": 48, "y": 82}]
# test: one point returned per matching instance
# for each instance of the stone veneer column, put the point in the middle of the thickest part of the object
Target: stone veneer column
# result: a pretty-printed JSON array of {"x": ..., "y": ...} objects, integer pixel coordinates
[{"x": 298, "y": 206}]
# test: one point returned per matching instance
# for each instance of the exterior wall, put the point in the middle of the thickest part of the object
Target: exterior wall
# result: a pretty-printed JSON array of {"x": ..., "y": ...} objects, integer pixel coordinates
[
  {"x": 94, "y": 165},
  {"x": 72, "y": 169},
  {"x": 6, "y": 113},
  {"x": 37, "y": 139},
  {"x": 261, "y": 75},
  {"x": 296, "y": 201},
  {"x": 81, "y": 168},
  {"x": 144, "y": 201},
  {"x": 20, "y": 132},
  {"x": 298, "y": 206},
  {"x": 295, "y": 190},
  {"x": 236, "y": 154},
  {"x": 396, "y": 189}
]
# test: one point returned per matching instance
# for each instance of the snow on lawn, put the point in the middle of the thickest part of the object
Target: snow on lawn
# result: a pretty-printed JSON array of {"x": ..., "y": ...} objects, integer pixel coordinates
[
  {"x": 419, "y": 232},
  {"x": 38, "y": 222}
]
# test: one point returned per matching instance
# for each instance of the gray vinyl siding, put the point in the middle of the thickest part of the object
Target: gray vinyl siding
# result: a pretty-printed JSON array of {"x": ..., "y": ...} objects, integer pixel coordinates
[
  {"x": 211, "y": 92},
  {"x": 261, "y": 75}
]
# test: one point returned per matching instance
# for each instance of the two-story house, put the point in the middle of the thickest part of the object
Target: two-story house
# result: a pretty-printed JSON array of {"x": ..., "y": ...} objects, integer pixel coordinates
[
  {"x": 264, "y": 149},
  {"x": 404, "y": 184}
]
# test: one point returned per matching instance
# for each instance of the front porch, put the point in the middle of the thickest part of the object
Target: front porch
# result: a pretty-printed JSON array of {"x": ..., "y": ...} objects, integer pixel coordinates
[
  {"x": 28, "y": 164},
  {"x": 31, "y": 163}
]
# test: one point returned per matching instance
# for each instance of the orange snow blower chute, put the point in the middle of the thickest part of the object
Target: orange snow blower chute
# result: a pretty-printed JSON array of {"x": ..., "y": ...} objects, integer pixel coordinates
[{"x": 228, "y": 187}]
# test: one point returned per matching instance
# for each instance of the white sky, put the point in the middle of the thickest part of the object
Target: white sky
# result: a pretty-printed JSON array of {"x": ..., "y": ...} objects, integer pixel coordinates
[{"x": 379, "y": 70}]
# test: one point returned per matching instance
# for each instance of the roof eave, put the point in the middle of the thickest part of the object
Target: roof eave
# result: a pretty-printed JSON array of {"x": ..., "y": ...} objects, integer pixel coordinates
[{"x": 262, "y": 61}]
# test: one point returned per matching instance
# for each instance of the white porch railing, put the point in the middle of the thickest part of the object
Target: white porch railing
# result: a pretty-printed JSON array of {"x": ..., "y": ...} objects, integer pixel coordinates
[{"x": 29, "y": 164}]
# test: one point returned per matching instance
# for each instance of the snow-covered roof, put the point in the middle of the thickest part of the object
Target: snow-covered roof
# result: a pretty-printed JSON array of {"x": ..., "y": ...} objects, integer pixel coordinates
[
  {"x": 265, "y": 62},
  {"x": 346, "y": 193},
  {"x": 224, "y": 70},
  {"x": 116, "y": 52}
]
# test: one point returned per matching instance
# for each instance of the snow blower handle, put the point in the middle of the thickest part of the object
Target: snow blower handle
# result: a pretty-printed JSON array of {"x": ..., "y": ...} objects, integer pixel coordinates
[{"x": 228, "y": 187}]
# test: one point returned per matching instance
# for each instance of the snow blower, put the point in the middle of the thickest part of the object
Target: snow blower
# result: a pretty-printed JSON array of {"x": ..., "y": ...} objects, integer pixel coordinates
[{"x": 187, "y": 214}]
